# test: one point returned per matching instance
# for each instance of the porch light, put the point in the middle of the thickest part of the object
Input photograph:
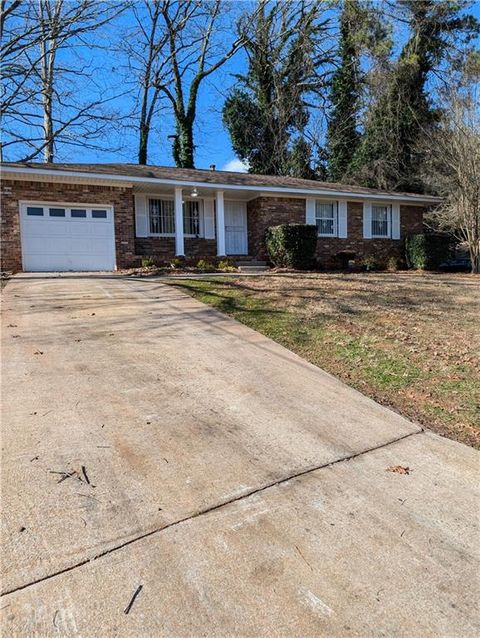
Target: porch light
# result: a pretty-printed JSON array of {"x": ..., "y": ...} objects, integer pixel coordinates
[{"x": 195, "y": 192}]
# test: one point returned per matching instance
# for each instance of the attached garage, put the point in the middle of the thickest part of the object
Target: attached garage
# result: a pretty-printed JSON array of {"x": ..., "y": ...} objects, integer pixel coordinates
[{"x": 58, "y": 237}]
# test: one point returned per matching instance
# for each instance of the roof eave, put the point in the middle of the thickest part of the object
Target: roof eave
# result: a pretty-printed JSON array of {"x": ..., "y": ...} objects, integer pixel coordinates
[{"x": 129, "y": 180}]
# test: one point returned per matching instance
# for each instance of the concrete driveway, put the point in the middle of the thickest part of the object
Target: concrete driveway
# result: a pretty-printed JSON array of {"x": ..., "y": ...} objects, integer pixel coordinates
[{"x": 152, "y": 446}]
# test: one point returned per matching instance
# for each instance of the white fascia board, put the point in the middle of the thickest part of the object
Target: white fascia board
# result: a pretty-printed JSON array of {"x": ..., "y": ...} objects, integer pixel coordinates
[{"x": 128, "y": 180}]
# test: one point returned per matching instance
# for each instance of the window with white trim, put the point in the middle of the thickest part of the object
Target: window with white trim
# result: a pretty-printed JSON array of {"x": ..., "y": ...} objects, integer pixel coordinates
[
  {"x": 162, "y": 217},
  {"x": 191, "y": 217},
  {"x": 381, "y": 220},
  {"x": 326, "y": 218}
]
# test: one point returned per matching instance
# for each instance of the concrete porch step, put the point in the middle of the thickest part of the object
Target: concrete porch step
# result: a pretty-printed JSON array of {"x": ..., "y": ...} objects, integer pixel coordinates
[{"x": 252, "y": 266}]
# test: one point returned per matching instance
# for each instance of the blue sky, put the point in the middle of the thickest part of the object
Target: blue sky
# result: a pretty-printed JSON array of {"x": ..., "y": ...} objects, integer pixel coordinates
[{"x": 212, "y": 140}]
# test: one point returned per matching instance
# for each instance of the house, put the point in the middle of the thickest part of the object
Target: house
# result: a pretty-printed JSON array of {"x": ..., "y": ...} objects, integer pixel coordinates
[{"x": 106, "y": 216}]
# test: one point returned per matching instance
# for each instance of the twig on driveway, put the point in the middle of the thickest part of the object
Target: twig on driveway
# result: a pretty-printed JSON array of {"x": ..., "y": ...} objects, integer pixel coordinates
[
  {"x": 130, "y": 604},
  {"x": 84, "y": 472}
]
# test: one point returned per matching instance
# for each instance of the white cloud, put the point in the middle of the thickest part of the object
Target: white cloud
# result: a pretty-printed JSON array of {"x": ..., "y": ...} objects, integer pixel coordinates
[{"x": 235, "y": 165}]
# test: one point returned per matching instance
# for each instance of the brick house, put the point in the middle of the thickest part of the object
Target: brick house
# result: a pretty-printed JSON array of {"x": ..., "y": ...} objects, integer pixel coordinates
[{"x": 105, "y": 216}]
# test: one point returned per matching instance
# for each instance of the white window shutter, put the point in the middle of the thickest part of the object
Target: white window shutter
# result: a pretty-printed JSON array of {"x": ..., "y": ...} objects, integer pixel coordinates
[
  {"x": 141, "y": 216},
  {"x": 367, "y": 220},
  {"x": 310, "y": 211},
  {"x": 208, "y": 219},
  {"x": 395, "y": 221},
  {"x": 342, "y": 220}
]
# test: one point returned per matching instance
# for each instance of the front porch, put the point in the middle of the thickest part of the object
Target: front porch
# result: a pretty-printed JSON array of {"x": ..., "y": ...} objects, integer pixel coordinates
[{"x": 191, "y": 223}]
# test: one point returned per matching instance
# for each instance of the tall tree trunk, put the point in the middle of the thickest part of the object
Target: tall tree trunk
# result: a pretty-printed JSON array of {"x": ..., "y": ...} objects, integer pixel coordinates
[
  {"x": 184, "y": 148},
  {"x": 48, "y": 53},
  {"x": 143, "y": 142},
  {"x": 48, "y": 152}
]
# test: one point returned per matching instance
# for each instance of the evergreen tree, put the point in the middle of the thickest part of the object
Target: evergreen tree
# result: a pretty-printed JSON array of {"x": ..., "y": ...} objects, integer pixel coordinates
[
  {"x": 386, "y": 157},
  {"x": 342, "y": 134},
  {"x": 266, "y": 113}
]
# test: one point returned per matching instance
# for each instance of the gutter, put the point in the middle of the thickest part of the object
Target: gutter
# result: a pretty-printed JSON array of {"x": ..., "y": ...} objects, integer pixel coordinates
[{"x": 131, "y": 181}]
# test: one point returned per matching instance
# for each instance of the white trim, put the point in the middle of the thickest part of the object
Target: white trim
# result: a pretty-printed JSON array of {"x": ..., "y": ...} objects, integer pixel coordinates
[
  {"x": 130, "y": 180},
  {"x": 209, "y": 218},
  {"x": 46, "y": 202},
  {"x": 396, "y": 230},
  {"x": 367, "y": 220},
  {"x": 342, "y": 217},
  {"x": 171, "y": 198},
  {"x": 142, "y": 215},
  {"x": 335, "y": 217},
  {"x": 178, "y": 211},
  {"x": 220, "y": 219},
  {"x": 388, "y": 206},
  {"x": 310, "y": 215}
]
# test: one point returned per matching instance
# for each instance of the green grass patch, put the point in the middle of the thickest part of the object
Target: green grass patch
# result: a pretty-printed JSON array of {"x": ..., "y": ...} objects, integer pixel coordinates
[{"x": 385, "y": 370}]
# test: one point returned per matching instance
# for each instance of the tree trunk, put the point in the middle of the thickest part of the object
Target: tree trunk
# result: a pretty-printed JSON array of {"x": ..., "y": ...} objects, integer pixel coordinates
[
  {"x": 47, "y": 125},
  {"x": 183, "y": 147},
  {"x": 143, "y": 143},
  {"x": 475, "y": 259}
]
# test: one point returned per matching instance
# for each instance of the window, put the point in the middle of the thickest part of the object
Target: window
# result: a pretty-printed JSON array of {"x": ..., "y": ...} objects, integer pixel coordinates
[
  {"x": 191, "y": 217},
  {"x": 326, "y": 217},
  {"x": 381, "y": 221},
  {"x": 57, "y": 212},
  {"x": 162, "y": 217},
  {"x": 33, "y": 211},
  {"x": 99, "y": 214},
  {"x": 78, "y": 212}
]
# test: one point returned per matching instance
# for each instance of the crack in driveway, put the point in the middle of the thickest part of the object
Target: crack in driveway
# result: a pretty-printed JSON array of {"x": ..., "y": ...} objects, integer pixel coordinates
[{"x": 210, "y": 509}]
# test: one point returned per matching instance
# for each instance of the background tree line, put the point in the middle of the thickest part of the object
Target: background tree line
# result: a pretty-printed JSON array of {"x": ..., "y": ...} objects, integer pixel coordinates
[{"x": 348, "y": 91}]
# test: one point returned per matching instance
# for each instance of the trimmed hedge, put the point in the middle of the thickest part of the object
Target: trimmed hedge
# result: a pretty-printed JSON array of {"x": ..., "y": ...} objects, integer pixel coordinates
[
  {"x": 292, "y": 245},
  {"x": 427, "y": 251}
]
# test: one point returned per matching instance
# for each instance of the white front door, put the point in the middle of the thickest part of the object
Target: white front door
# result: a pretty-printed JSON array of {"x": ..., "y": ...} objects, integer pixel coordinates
[
  {"x": 59, "y": 237},
  {"x": 236, "y": 228}
]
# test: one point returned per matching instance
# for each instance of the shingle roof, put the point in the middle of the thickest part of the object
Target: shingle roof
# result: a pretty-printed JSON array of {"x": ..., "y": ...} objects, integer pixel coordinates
[{"x": 208, "y": 177}]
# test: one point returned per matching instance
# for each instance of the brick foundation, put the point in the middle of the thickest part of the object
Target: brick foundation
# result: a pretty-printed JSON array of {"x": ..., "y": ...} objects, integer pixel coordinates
[{"x": 163, "y": 248}]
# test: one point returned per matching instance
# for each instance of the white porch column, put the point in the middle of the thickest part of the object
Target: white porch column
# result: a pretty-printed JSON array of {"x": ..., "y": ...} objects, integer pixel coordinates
[
  {"x": 179, "y": 241},
  {"x": 220, "y": 213}
]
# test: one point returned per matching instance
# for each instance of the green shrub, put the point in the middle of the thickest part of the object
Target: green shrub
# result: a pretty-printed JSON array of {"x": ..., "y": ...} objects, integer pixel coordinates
[
  {"x": 148, "y": 262},
  {"x": 206, "y": 266},
  {"x": 226, "y": 265},
  {"x": 427, "y": 251},
  {"x": 292, "y": 245}
]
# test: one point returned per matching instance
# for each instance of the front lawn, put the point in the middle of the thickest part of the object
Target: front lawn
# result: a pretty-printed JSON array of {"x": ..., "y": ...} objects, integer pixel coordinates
[{"x": 409, "y": 341}]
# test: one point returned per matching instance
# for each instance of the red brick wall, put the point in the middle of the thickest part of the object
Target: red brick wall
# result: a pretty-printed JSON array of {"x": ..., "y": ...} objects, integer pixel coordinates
[
  {"x": 268, "y": 211},
  {"x": 262, "y": 212},
  {"x": 14, "y": 191},
  {"x": 163, "y": 248}
]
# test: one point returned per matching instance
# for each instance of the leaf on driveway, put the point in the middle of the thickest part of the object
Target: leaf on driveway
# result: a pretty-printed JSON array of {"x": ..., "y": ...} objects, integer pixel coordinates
[{"x": 398, "y": 469}]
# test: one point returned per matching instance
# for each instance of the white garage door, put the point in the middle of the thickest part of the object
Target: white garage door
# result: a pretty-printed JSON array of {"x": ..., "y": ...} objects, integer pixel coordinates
[{"x": 74, "y": 237}]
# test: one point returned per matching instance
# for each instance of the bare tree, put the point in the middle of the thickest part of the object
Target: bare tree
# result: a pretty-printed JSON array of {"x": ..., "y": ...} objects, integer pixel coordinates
[
  {"x": 144, "y": 48},
  {"x": 47, "y": 106},
  {"x": 196, "y": 48},
  {"x": 18, "y": 35},
  {"x": 453, "y": 169}
]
